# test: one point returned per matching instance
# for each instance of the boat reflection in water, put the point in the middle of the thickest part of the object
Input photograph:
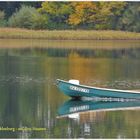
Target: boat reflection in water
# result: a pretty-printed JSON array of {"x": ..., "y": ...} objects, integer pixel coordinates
[{"x": 76, "y": 109}]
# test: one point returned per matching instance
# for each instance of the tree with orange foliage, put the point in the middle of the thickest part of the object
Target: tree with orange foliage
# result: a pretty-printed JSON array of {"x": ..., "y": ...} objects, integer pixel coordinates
[
  {"x": 82, "y": 12},
  {"x": 94, "y": 13}
]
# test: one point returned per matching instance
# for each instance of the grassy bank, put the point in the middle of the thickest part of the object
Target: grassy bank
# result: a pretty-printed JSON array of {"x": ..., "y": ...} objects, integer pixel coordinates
[{"x": 16, "y": 33}]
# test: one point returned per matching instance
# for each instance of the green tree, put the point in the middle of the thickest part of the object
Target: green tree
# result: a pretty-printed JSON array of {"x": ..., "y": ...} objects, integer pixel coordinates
[
  {"x": 40, "y": 21},
  {"x": 130, "y": 19},
  {"x": 26, "y": 17},
  {"x": 2, "y": 19},
  {"x": 57, "y": 13},
  {"x": 2, "y": 15},
  {"x": 10, "y": 7},
  {"x": 67, "y": 15},
  {"x": 108, "y": 14}
]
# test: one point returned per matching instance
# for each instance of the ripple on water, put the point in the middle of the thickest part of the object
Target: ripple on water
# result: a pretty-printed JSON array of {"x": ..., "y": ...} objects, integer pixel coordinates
[
  {"x": 25, "y": 79},
  {"x": 118, "y": 84}
]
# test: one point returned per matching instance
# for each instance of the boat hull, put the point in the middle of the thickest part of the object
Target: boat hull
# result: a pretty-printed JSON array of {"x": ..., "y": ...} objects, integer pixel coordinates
[
  {"x": 78, "y": 91},
  {"x": 78, "y": 106}
]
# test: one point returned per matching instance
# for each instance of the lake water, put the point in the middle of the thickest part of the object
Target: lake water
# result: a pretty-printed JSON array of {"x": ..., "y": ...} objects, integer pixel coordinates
[{"x": 31, "y": 105}]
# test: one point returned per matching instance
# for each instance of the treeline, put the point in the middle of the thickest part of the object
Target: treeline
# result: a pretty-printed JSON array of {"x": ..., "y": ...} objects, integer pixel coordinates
[{"x": 71, "y": 15}]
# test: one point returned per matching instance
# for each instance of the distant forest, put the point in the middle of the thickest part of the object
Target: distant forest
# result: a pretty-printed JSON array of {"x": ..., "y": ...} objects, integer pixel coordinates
[{"x": 71, "y": 15}]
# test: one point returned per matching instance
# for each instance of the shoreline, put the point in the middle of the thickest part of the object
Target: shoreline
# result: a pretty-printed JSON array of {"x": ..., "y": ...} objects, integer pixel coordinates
[
  {"x": 69, "y": 44},
  {"x": 18, "y": 33}
]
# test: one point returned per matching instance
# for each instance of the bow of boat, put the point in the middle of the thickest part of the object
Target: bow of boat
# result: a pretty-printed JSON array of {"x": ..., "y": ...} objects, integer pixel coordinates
[{"x": 72, "y": 88}]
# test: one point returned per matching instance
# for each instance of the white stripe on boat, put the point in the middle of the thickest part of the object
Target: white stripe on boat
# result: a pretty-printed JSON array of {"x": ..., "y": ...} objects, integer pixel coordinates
[{"x": 117, "y": 90}]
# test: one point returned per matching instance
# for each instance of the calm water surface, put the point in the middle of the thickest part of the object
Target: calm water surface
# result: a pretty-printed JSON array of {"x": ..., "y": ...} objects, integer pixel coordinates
[{"x": 31, "y": 105}]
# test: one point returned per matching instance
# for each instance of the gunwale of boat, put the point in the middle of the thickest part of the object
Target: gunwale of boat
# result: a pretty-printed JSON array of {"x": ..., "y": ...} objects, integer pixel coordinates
[{"x": 107, "y": 89}]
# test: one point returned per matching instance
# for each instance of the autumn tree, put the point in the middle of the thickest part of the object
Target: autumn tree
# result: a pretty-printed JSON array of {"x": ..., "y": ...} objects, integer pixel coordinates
[
  {"x": 83, "y": 11},
  {"x": 57, "y": 13},
  {"x": 71, "y": 15},
  {"x": 94, "y": 13}
]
